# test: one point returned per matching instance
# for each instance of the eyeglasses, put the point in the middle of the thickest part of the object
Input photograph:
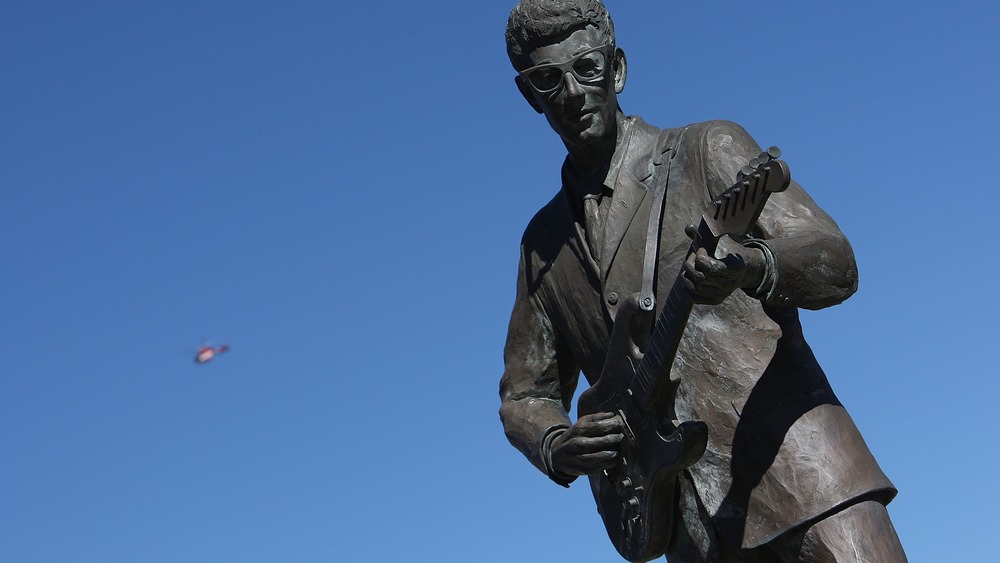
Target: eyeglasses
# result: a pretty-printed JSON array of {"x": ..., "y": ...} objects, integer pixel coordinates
[{"x": 587, "y": 68}]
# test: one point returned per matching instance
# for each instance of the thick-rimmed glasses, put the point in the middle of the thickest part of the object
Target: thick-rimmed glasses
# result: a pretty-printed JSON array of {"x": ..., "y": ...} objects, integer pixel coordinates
[{"x": 587, "y": 68}]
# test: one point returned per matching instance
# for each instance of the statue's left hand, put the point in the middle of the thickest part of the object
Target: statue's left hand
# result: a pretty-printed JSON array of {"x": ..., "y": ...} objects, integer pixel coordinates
[{"x": 710, "y": 279}]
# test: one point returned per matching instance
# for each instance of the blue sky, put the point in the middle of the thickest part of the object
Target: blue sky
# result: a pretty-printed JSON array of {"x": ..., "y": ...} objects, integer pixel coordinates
[{"x": 338, "y": 193}]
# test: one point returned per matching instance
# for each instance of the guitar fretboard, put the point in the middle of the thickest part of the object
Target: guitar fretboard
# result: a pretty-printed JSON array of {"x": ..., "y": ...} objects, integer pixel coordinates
[
  {"x": 663, "y": 341},
  {"x": 735, "y": 212}
]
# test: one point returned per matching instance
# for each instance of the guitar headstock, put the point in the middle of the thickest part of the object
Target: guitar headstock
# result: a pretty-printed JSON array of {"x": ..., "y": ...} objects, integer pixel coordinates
[{"x": 736, "y": 210}]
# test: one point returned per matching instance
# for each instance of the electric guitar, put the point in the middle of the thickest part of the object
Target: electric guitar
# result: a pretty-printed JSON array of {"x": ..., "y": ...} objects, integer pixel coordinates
[{"x": 635, "y": 498}]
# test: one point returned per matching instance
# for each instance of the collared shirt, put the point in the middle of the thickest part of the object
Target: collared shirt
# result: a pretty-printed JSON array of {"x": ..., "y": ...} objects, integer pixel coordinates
[{"x": 589, "y": 199}]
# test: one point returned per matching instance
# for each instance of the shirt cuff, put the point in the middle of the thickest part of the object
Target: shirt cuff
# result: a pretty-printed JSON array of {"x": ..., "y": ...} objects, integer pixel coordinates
[
  {"x": 770, "y": 281},
  {"x": 545, "y": 452}
]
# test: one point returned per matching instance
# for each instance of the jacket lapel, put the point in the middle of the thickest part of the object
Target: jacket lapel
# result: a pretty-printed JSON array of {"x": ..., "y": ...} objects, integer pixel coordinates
[{"x": 628, "y": 196}]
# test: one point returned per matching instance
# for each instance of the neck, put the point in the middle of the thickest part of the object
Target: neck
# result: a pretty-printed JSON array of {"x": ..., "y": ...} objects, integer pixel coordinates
[{"x": 593, "y": 160}]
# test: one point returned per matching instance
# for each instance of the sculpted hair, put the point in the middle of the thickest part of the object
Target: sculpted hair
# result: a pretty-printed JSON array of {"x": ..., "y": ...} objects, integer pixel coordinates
[{"x": 537, "y": 22}]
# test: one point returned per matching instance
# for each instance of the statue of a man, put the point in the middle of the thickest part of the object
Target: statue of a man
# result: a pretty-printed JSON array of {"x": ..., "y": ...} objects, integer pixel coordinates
[{"x": 786, "y": 475}]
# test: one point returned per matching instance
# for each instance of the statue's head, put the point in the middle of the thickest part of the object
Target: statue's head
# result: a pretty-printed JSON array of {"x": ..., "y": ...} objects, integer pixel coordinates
[
  {"x": 568, "y": 66},
  {"x": 533, "y": 23}
]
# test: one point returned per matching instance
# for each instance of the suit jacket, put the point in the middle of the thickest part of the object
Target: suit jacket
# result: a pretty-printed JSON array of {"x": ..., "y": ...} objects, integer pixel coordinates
[{"x": 782, "y": 449}]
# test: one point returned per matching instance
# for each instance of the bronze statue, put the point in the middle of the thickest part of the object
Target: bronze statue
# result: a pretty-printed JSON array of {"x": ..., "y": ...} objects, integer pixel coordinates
[{"x": 669, "y": 269}]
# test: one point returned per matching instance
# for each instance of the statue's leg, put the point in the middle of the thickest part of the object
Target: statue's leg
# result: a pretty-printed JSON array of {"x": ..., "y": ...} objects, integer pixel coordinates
[{"x": 861, "y": 533}]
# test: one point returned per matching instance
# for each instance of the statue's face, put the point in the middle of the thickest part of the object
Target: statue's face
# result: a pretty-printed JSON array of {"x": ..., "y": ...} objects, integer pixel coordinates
[{"x": 581, "y": 109}]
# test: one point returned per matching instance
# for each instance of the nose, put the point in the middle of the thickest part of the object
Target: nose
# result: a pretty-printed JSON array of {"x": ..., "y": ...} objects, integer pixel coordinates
[{"x": 571, "y": 87}]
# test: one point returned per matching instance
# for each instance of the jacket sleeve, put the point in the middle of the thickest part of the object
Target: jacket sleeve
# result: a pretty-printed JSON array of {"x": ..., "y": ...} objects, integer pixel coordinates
[
  {"x": 812, "y": 262},
  {"x": 539, "y": 375}
]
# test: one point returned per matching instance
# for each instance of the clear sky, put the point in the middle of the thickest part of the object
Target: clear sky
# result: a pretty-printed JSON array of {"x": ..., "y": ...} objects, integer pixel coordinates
[{"x": 337, "y": 190}]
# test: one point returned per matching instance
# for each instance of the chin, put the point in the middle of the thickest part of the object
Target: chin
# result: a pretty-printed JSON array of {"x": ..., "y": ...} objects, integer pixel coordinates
[{"x": 595, "y": 133}]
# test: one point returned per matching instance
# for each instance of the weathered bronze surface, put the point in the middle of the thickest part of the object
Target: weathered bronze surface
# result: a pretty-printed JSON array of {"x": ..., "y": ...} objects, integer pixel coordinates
[{"x": 733, "y": 446}]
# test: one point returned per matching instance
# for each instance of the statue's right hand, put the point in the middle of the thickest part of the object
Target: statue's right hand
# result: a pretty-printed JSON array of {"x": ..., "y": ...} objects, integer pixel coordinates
[{"x": 589, "y": 446}]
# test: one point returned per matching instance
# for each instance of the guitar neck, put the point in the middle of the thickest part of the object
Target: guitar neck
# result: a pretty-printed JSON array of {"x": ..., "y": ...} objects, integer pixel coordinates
[
  {"x": 734, "y": 213},
  {"x": 663, "y": 341}
]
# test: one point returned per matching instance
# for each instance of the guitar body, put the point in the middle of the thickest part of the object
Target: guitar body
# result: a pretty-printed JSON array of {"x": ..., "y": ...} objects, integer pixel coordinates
[{"x": 636, "y": 498}]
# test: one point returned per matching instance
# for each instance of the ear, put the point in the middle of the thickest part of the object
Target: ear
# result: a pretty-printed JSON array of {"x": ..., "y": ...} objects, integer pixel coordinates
[
  {"x": 528, "y": 93},
  {"x": 621, "y": 70}
]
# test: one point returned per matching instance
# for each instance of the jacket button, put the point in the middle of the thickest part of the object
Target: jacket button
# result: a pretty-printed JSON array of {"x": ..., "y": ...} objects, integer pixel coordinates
[{"x": 612, "y": 298}]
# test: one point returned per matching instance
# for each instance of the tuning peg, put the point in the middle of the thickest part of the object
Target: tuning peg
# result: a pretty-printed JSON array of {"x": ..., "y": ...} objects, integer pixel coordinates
[
  {"x": 746, "y": 170},
  {"x": 773, "y": 153},
  {"x": 755, "y": 162}
]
